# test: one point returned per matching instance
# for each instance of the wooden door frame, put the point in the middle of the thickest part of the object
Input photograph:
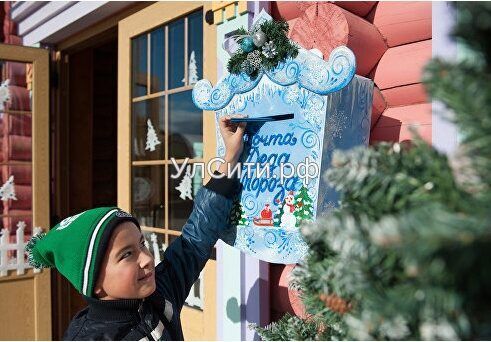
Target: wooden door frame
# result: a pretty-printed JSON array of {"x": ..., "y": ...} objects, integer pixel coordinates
[
  {"x": 143, "y": 21},
  {"x": 64, "y": 305},
  {"x": 39, "y": 58}
]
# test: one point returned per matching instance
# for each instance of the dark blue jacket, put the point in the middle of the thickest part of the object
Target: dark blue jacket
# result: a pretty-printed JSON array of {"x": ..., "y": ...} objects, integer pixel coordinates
[{"x": 158, "y": 316}]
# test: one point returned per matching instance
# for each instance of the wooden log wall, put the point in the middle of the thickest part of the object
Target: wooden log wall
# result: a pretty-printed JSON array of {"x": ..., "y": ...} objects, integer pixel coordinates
[
  {"x": 15, "y": 134},
  {"x": 392, "y": 44}
]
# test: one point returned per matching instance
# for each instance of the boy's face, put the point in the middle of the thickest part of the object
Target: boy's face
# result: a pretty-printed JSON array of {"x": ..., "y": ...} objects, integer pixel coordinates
[{"x": 127, "y": 271}]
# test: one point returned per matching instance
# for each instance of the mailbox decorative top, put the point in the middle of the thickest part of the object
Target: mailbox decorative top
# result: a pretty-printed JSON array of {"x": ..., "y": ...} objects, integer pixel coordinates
[{"x": 307, "y": 70}]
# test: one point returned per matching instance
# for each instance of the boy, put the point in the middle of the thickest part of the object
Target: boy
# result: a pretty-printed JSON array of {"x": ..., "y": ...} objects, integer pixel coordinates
[{"x": 102, "y": 253}]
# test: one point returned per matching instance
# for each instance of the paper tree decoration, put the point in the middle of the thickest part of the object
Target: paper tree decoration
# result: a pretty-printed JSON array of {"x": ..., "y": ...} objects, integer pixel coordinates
[
  {"x": 7, "y": 191},
  {"x": 192, "y": 69},
  {"x": 4, "y": 93},
  {"x": 331, "y": 109},
  {"x": 152, "y": 139},
  {"x": 155, "y": 248},
  {"x": 185, "y": 187}
]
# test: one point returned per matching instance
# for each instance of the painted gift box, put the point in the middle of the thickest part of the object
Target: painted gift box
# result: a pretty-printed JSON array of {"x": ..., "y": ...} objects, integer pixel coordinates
[{"x": 322, "y": 106}]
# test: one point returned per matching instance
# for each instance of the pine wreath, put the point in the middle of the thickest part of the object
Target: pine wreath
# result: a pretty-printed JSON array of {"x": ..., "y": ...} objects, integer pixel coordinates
[{"x": 277, "y": 49}]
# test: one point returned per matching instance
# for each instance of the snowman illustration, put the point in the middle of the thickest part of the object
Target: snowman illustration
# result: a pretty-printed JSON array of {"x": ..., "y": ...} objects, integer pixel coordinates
[{"x": 288, "y": 219}]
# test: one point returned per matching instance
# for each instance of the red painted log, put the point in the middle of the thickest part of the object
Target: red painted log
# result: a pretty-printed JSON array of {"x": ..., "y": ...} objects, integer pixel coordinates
[
  {"x": 402, "y": 65},
  {"x": 405, "y": 95},
  {"x": 23, "y": 193},
  {"x": 403, "y": 22},
  {"x": 395, "y": 122},
  {"x": 13, "y": 40},
  {"x": 406, "y": 115},
  {"x": 17, "y": 125},
  {"x": 20, "y": 215},
  {"x": 19, "y": 99},
  {"x": 326, "y": 26},
  {"x": 323, "y": 27},
  {"x": 293, "y": 9},
  {"x": 378, "y": 106},
  {"x": 291, "y": 23},
  {"x": 399, "y": 133},
  {"x": 9, "y": 27},
  {"x": 1, "y": 138},
  {"x": 16, "y": 147},
  {"x": 289, "y": 9},
  {"x": 22, "y": 174},
  {"x": 360, "y": 8},
  {"x": 16, "y": 73},
  {"x": 283, "y": 299}
]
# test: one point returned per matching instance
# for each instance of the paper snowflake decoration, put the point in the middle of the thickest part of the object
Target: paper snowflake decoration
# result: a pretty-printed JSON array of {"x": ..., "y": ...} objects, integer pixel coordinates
[
  {"x": 4, "y": 93},
  {"x": 185, "y": 187},
  {"x": 152, "y": 139},
  {"x": 7, "y": 191}
]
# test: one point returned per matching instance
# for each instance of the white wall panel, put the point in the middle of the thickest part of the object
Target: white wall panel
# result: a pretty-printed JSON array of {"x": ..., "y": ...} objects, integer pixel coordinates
[{"x": 54, "y": 21}]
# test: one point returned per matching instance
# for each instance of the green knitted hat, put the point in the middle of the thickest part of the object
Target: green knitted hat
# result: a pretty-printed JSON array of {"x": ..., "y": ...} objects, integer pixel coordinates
[{"x": 77, "y": 245}]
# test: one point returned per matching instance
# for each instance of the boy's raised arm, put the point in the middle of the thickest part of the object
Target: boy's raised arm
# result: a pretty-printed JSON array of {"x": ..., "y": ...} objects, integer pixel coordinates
[{"x": 187, "y": 255}]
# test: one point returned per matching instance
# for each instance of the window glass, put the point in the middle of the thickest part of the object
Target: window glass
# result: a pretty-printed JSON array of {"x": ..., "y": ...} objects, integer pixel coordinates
[
  {"x": 195, "y": 47},
  {"x": 165, "y": 127},
  {"x": 139, "y": 52},
  {"x": 157, "y": 61},
  {"x": 148, "y": 195},
  {"x": 176, "y": 54},
  {"x": 185, "y": 127}
]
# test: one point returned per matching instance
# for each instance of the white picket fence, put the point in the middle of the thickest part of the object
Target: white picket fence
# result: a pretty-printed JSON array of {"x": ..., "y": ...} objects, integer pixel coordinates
[
  {"x": 20, "y": 265},
  {"x": 195, "y": 297},
  {"x": 14, "y": 263}
]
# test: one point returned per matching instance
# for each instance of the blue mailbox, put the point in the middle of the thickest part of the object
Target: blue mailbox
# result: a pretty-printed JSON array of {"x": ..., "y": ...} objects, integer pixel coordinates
[{"x": 298, "y": 113}]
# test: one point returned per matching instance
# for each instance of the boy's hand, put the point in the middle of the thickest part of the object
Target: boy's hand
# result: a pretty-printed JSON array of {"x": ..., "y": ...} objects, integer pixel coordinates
[{"x": 232, "y": 134}]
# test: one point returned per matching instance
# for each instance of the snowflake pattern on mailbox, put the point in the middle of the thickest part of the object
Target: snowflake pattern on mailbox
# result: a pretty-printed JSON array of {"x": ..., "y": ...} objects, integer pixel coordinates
[{"x": 331, "y": 109}]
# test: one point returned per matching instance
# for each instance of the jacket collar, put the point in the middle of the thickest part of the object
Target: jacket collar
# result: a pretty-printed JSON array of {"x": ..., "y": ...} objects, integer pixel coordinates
[{"x": 113, "y": 310}]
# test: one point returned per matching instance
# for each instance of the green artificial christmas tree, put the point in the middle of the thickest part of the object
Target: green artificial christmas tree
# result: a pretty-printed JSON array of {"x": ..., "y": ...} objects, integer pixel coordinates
[
  {"x": 304, "y": 211},
  {"x": 406, "y": 256}
]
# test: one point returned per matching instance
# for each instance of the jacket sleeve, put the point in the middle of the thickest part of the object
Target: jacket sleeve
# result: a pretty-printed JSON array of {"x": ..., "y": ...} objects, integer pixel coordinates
[{"x": 187, "y": 255}]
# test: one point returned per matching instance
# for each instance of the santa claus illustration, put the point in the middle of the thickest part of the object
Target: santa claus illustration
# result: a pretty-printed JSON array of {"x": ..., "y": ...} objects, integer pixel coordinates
[{"x": 266, "y": 218}]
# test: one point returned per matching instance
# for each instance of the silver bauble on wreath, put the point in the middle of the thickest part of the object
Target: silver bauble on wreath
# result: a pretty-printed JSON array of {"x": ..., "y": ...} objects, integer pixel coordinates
[{"x": 259, "y": 38}]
